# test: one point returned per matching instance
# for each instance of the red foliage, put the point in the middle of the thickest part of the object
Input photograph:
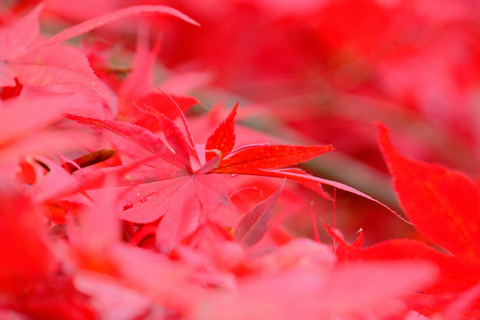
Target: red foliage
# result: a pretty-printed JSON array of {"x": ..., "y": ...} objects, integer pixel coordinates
[{"x": 167, "y": 211}]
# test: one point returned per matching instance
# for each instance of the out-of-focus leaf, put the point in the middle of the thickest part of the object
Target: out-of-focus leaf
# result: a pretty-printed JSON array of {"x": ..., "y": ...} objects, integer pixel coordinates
[
  {"x": 16, "y": 39},
  {"x": 25, "y": 251},
  {"x": 100, "y": 225},
  {"x": 166, "y": 103},
  {"x": 97, "y": 22},
  {"x": 353, "y": 290},
  {"x": 9, "y": 92},
  {"x": 443, "y": 204},
  {"x": 455, "y": 275},
  {"x": 58, "y": 64},
  {"x": 18, "y": 118},
  {"x": 255, "y": 223},
  {"x": 305, "y": 177},
  {"x": 42, "y": 63}
]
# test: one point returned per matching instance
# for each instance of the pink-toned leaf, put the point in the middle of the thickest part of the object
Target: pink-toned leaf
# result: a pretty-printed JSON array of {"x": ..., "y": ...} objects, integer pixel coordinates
[
  {"x": 47, "y": 63},
  {"x": 99, "y": 223},
  {"x": 58, "y": 64},
  {"x": 88, "y": 179},
  {"x": 143, "y": 139},
  {"x": 166, "y": 282},
  {"x": 56, "y": 180},
  {"x": 113, "y": 299},
  {"x": 97, "y": 22},
  {"x": 200, "y": 199},
  {"x": 223, "y": 139},
  {"x": 7, "y": 75},
  {"x": 456, "y": 275},
  {"x": 299, "y": 255},
  {"x": 148, "y": 202},
  {"x": 252, "y": 159},
  {"x": 175, "y": 137},
  {"x": 137, "y": 85},
  {"x": 358, "y": 285},
  {"x": 21, "y": 117},
  {"x": 188, "y": 133},
  {"x": 15, "y": 39},
  {"x": 254, "y": 224},
  {"x": 181, "y": 217},
  {"x": 358, "y": 290},
  {"x": 443, "y": 204},
  {"x": 170, "y": 105},
  {"x": 182, "y": 83},
  {"x": 209, "y": 165}
]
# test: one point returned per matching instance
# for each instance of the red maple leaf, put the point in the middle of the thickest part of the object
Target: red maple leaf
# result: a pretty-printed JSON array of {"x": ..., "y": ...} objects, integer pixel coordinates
[
  {"x": 183, "y": 189},
  {"x": 443, "y": 205}
]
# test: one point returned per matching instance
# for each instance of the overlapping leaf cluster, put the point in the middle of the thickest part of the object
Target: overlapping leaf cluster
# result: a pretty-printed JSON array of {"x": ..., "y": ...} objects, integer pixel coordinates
[{"x": 116, "y": 204}]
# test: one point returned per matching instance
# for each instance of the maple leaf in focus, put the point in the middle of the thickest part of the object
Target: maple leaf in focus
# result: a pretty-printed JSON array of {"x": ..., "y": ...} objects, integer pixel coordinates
[
  {"x": 443, "y": 205},
  {"x": 180, "y": 187}
]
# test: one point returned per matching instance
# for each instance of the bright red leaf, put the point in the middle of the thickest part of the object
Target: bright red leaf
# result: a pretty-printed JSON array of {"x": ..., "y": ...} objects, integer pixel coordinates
[
  {"x": 21, "y": 232},
  {"x": 223, "y": 139},
  {"x": 443, "y": 204},
  {"x": 174, "y": 192},
  {"x": 148, "y": 222},
  {"x": 250, "y": 160}
]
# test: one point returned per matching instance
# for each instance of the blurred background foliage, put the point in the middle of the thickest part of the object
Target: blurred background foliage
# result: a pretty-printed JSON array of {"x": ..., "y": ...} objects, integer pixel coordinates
[{"x": 315, "y": 71}]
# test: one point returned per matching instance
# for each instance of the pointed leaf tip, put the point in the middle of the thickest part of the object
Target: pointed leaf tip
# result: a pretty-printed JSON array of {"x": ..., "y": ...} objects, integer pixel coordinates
[
  {"x": 223, "y": 139},
  {"x": 251, "y": 160},
  {"x": 384, "y": 141},
  {"x": 107, "y": 18}
]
